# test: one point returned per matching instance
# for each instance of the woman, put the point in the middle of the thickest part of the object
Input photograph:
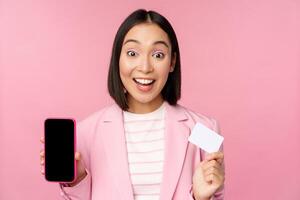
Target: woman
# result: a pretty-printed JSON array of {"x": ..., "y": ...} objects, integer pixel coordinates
[{"x": 137, "y": 148}]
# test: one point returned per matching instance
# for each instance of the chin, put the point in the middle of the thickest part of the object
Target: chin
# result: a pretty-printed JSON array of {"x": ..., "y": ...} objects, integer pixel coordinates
[{"x": 144, "y": 99}]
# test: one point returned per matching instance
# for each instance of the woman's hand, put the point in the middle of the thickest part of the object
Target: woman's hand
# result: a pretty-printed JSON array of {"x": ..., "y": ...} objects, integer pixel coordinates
[
  {"x": 209, "y": 176},
  {"x": 81, "y": 173}
]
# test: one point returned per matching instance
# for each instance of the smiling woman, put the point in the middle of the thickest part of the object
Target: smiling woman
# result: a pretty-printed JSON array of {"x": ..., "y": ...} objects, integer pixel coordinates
[
  {"x": 145, "y": 41},
  {"x": 137, "y": 148},
  {"x": 145, "y": 64}
]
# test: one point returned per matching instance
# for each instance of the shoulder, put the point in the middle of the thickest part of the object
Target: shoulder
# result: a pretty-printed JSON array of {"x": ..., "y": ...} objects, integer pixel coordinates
[
  {"x": 97, "y": 116},
  {"x": 195, "y": 116}
]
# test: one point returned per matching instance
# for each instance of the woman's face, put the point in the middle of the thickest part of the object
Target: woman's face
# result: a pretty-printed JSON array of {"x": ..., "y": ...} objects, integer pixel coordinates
[{"x": 145, "y": 63}]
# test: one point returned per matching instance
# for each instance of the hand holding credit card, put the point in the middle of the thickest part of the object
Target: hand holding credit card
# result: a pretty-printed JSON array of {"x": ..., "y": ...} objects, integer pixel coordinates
[{"x": 205, "y": 138}]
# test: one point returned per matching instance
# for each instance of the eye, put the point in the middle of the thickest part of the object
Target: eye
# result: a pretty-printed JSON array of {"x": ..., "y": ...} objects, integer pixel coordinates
[
  {"x": 131, "y": 53},
  {"x": 159, "y": 55}
]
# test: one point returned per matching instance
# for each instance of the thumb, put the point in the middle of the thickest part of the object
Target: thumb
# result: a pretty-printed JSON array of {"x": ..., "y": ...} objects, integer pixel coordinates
[
  {"x": 206, "y": 156},
  {"x": 77, "y": 156},
  {"x": 202, "y": 163}
]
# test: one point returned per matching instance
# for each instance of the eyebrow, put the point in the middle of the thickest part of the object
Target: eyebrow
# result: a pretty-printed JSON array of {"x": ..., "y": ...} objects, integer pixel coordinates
[{"x": 156, "y": 42}]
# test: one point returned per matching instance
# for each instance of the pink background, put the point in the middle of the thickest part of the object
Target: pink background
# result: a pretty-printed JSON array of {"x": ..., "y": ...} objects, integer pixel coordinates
[{"x": 240, "y": 63}]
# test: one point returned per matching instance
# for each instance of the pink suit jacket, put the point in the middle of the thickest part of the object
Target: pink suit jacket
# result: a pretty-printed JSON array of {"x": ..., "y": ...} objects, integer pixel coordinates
[{"x": 101, "y": 142}]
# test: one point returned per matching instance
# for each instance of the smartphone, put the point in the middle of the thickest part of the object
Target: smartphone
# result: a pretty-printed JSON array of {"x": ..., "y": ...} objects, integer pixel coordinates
[{"x": 60, "y": 148}]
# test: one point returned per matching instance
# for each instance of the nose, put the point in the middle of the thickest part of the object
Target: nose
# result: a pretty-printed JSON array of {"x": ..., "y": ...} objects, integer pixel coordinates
[{"x": 146, "y": 65}]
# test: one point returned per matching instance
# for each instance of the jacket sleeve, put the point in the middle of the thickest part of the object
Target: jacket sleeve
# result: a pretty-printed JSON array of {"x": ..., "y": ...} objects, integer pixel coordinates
[
  {"x": 219, "y": 195},
  {"x": 81, "y": 191}
]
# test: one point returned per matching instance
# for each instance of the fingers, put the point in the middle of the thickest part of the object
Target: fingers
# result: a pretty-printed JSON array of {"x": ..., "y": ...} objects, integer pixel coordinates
[
  {"x": 77, "y": 156},
  {"x": 211, "y": 164},
  {"x": 42, "y": 152},
  {"x": 213, "y": 172},
  {"x": 214, "y": 155},
  {"x": 217, "y": 170},
  {"x": 42, "y": 161},
  {"x": 42, "y": 156},
  {"x": 218, "y": 156},
  {"x": 214, "y": 178},
  {"x": 42, "y": 139}
]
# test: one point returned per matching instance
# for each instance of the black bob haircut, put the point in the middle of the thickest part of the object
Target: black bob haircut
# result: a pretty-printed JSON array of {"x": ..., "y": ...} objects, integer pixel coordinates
[{"x": 172, "y": 89}]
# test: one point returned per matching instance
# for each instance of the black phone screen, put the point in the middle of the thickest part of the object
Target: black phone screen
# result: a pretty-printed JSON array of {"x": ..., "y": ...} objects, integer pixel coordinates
[{"x": 60, "y": 150}]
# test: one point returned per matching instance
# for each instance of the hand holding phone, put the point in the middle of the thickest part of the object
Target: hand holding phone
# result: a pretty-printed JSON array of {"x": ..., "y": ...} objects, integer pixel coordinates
[
  {"x": 81, "y": 173},
  {"x": 60, "y": 162}
]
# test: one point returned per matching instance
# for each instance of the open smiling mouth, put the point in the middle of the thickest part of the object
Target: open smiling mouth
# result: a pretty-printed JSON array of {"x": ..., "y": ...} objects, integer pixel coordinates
[
  {"x": 144, "y": 81},
  {"x": 144, "y": 85}
]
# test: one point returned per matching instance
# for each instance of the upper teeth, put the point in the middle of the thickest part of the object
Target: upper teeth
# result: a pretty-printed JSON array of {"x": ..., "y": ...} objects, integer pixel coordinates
[{"x": 144, "y": 81}]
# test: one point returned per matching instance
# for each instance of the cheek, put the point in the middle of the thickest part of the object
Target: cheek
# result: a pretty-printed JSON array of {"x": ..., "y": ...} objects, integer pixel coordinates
[
  {"x": 125, "y": 67},
  {"x": 125, "y": 76},
  {"x": 124, "y": 71},
  {"x": 163, "y": 70}
]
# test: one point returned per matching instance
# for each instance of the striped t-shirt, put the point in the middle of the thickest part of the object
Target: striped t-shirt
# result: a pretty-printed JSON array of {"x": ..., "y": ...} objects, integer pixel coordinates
[{"x": 145, "y": 148}]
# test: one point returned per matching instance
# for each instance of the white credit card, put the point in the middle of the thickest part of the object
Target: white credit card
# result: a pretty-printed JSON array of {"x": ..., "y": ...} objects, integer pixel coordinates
[{"x": 205, "y": 138}]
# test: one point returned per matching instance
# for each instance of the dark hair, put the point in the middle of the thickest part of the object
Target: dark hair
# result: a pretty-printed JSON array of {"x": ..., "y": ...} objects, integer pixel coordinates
[{"x": 172, "y": 89}]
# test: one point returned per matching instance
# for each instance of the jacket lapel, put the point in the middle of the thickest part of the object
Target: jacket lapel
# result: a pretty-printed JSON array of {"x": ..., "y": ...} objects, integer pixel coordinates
[
  {"x": 116, "y": 151},
  {"x": 176, "y": 142}
]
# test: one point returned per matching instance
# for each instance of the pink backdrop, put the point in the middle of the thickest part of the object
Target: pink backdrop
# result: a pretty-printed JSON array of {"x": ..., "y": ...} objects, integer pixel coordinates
[{"x": 240, "y": 63}]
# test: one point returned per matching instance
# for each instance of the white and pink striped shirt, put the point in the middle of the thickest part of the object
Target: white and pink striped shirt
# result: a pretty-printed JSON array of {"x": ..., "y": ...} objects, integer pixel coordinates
[{"x": 145, "y": 147}]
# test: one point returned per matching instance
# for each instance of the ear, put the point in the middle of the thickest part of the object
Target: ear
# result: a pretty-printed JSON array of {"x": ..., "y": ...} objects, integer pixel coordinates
[{"x": 173, "y": 62}]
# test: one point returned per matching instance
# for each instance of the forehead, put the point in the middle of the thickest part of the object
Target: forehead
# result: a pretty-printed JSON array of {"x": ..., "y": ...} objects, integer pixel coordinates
[{"x": 147, "y": 33}]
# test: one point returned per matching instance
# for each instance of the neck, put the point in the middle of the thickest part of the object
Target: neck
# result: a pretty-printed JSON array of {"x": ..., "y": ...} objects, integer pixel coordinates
[{"x": 142, "y": 108}]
